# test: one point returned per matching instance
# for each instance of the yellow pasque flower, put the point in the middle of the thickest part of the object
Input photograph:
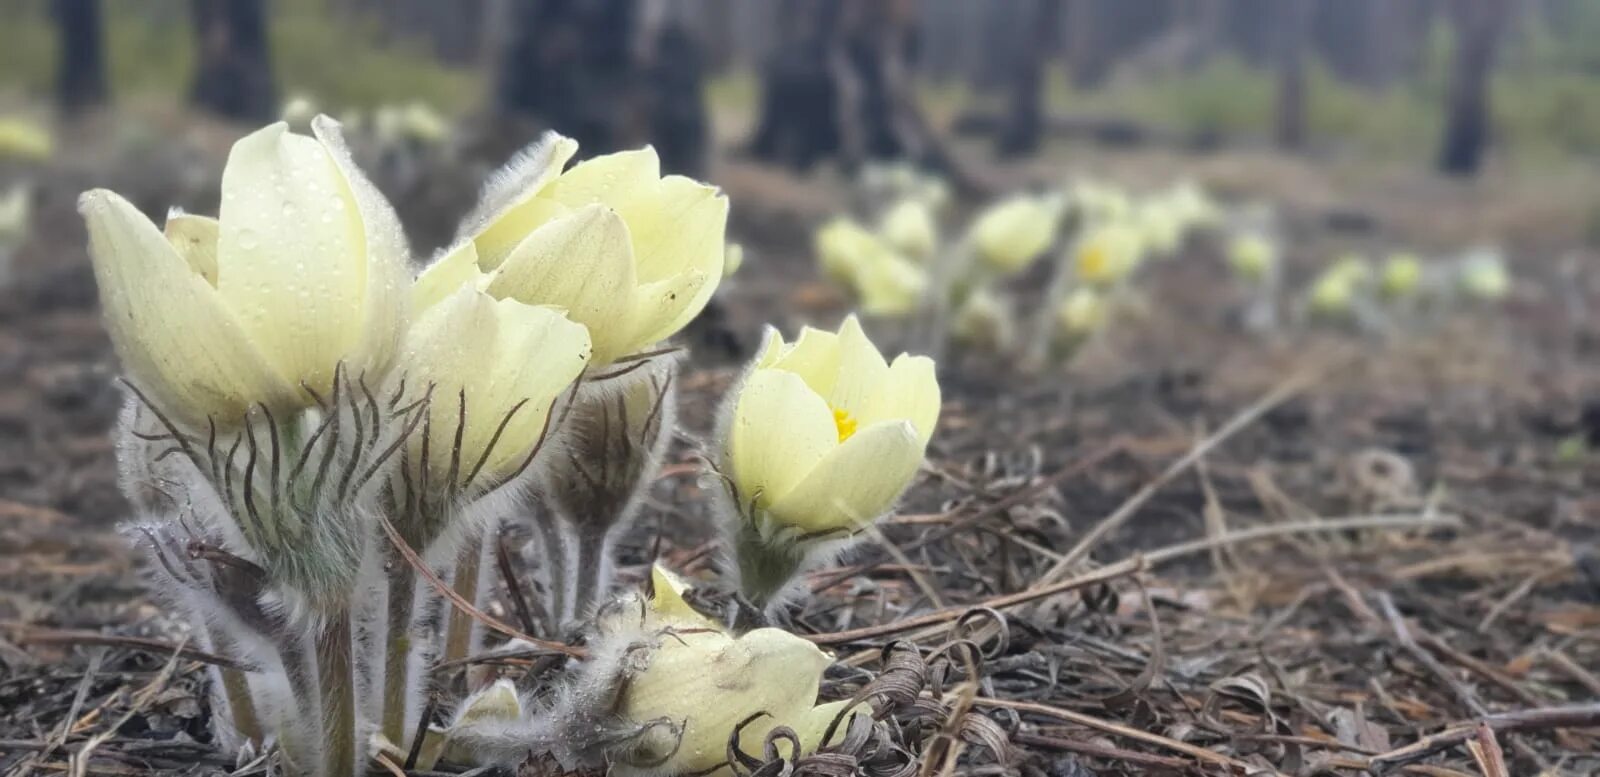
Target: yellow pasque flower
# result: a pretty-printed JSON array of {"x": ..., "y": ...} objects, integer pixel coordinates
[
  {"x": 1334, "y": 291},
  {"x": 890, "y": 286},
  {"x": 1402, "y": 274},
  {"x": 1252, "y": 256},
  {"x": 908, "y": 226},
  {"x": 1161, "y": 228},
  {"x": 732, "y": 259},
  {"x": 502, "y": 358},
  {"x": 886, "y": 283},
  {"x": 304, "y": 269},
  {"x": 1080, "y": 314},
  {"x": 24, "y": 139},
  {"x": 424, "y": 124},
  {"x": 299, "y": 110},
  {"x": 709, "y": 682},
  {"x": 630, "y": 254},
  {"x": 1013, "y": 233},
  {"x": 16, "y": 208},
  {"x": 1484, "y": 275},
  {"x": 983, "y": 319},
  {"x": 1099, "y": 202},
  {"x": 843, "y": 247},
  {"x": 825, "y": 434},
  {"x": 1107, "y": 254}
]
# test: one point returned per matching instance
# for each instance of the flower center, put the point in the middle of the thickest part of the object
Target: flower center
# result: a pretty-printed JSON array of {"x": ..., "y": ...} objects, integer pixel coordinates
[
  {"x": 1093, "y": 264},
  {"x": 844, "y": 422}
]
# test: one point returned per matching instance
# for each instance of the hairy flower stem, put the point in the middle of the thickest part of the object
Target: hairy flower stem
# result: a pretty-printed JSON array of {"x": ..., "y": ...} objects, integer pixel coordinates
[
  {"x": 299, "y": 670},
  {"x": 589, "y": 566},
  {"x": 766, "y": 567},
  {"x": 335, "y": 671},
  {"x": 241, "y": 704},
  {"x": 553, "y": 555},
  {"x": 468, "y": 568},
  {"x": 397, "y": 646}
]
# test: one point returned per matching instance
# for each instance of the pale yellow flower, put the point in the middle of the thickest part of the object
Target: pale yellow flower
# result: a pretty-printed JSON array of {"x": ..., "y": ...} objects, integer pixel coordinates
[
  {"x": 1252, "y": 256},
  {"x": 709, "y": 682},
  {"x": 732, "y": 259},
  {"x": 304, "y": 269},
  {"x": 1333, "y": 293},
  {"x": 1401, "y": 275},
  {"x": 1080, "y": 314},
  {"x": 422, "y": 123},
  {"x": 24, "y": 139},
  {"x": 1016, "y": 231},
  {"x": 825, "y": 434},
  {"x": 630, "y": 254},
  {"x": 843, "y": 247},
  {"x": 299, "y": 110},
  {"x": 1484, "y": 275},
  {"x": 1161, "y": 228},
  {"x": 886, "y": 283},
  {"x": 16, "y": 210},
  {"x": 908, "y": 227},
  {"x": 1108, "y": 253},
  {"x": 505, "y": 360}
]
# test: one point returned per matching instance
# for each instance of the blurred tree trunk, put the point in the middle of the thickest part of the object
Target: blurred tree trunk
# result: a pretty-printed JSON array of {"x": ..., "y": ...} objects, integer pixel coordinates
[
  {"x": 1085, "y": 65},
  {"x": 679, "y": 127},
  {"x": 799, "y": 118},
  {"x": 233, "y": 70},
  {"x": 1294, "y": 17},
  {"x": 81, "y": 67},
  {"x": 834, "y": 84},
  {"x": 1024, "y": 122},
  {"x": 1479, "y": 26},
  {"x": 572, "y": 64},
  {"x": 605, "y": 73}
]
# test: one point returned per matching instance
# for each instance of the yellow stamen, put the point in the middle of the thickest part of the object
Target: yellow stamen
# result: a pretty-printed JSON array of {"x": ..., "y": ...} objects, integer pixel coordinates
[
  {"x": 845, "y": 424},
  {"x": 1093, "y": 264}
]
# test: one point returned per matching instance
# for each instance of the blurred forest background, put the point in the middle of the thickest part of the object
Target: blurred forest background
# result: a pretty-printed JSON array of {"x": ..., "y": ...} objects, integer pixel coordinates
[{"x": 1449, "y": 83}]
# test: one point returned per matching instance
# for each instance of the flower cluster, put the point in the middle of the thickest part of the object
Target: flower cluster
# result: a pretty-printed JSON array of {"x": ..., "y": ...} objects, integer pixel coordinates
[
  {"x": 321, "y": 445},
  {"x": 902, "y": 271},
  {"x": 1353, "y": 289}
]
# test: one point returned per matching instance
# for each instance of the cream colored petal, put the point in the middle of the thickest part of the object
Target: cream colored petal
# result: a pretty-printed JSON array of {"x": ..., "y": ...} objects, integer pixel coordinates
[
  {"x": 195, "y": 238},
  {"x": 667, "y": 603},
  {"x": 909, "y": 391},
  {"x": 890, "y": 286},
  {"x": 456, "y": 268},
  {"x": 909, "y": 228},
  {"x": 615, "y": 179},
  {"x": 583, "y": 264},
  {"x": 815, "y": 723},
  {"x": 856, "y": 482},
  {"x": 861, "y": 369},
  {"x": 509, "y": 207},
  {"x": 291, "y": 254},
  {"x": 502, "y": 236},
  {"x": 177, "y": 339},
  {"x": 814, "y": 357},
  {"x": 678, "y": 226},
  {"x": 772, "y": 348},
  {"x": 713, "y": 683},
  {"x": 781, "y": 429},
  {"x": 664, "y": 307},
  {"x": 508, "y": 360},
  {"x": 388, "y": 253}
]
